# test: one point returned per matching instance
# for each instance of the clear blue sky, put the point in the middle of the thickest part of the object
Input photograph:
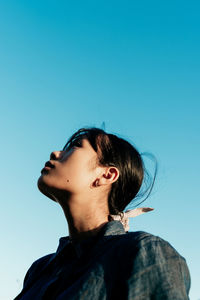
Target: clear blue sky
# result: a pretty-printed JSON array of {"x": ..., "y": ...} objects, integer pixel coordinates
[{"x": 65, "y": 64}]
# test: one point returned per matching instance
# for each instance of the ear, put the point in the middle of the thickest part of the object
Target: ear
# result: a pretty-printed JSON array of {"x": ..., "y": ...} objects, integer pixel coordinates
[{"x": 110, "y": 175}]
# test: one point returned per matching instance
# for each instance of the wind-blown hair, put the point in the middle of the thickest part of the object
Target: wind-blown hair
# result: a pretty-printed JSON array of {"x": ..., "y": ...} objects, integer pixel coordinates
[{"x": 115, "y": 151}]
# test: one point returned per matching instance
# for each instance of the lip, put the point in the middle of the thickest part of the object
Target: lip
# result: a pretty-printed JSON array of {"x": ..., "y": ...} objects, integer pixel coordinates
[{"x": 48, "y": 166}]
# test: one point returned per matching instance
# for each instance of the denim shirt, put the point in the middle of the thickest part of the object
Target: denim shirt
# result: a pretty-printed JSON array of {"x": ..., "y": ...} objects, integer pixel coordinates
[{"x": 112, "y": 265}]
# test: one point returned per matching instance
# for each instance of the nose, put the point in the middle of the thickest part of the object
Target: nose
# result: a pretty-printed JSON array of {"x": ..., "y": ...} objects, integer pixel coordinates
[{"x": 55, "y": 155}]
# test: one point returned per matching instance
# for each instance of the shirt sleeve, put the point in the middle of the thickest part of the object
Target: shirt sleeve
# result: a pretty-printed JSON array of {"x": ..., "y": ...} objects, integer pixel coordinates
[{"x": 158, "y": 272}]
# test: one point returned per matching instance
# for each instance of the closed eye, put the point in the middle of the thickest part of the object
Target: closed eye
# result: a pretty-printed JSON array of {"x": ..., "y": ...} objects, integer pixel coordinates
[{"x": 75, "y": 143}]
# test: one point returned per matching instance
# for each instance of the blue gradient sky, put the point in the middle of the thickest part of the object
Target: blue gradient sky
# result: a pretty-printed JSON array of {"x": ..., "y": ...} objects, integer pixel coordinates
[{"x": 65, "y": 64}]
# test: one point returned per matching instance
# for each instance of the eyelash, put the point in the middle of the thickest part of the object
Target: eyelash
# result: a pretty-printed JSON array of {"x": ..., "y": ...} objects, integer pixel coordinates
[{"x": 76, "y": 144}]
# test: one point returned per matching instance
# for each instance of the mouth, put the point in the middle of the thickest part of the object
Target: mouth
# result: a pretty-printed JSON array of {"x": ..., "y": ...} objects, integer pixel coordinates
[{"x": 48, "y": 165}]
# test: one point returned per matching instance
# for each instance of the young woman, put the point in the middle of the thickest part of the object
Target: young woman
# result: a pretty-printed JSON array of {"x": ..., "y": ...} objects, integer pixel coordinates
[{"x": 94, "y": 178}]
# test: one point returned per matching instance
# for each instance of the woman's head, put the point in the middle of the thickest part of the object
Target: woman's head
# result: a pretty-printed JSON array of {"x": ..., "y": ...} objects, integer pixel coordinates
[
  {"x": 113, "y": 151},
  {"x": 93, "y": 158}
]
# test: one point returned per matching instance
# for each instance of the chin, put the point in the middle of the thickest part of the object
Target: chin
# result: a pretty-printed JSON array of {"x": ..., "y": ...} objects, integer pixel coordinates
[{"x": 44, "y": 188}]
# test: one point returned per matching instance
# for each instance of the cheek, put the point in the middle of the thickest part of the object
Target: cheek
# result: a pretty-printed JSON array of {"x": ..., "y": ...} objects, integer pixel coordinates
[
  {"x": 73, "y": 176},
  {"x": 65, "y": 178},
  {"x": 76, "y": 179},
  {"x": 55, "y": 178}
]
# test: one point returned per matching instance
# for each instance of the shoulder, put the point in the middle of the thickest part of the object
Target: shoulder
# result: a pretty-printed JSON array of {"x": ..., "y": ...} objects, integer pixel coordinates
[
  {"x": 36, "y": 267},
  {"x": 144, "y": 240},
  {"x": 147, "y": 249},
  {"x": 41, "y": 262},
  {"x": 142, "y": 237},
  {"x": 156, "y": 263}
]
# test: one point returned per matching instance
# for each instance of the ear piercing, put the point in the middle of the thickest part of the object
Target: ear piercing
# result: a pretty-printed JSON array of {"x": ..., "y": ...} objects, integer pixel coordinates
[{"x": 96, "y": 183}]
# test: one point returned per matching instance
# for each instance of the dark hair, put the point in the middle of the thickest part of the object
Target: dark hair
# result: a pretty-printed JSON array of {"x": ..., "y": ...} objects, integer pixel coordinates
[{"x": 115, "y": 151}]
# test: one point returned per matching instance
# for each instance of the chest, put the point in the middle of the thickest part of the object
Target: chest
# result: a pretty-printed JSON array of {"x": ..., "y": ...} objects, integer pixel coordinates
[{"x": 96, "y": 278}]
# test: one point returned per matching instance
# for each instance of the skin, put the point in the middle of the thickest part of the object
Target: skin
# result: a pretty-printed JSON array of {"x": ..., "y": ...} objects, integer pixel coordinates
[{"x": 81, "y": 186}]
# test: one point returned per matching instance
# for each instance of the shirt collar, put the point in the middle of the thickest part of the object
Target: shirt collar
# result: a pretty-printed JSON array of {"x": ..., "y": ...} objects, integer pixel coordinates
[{"x": 109, "y": 229}]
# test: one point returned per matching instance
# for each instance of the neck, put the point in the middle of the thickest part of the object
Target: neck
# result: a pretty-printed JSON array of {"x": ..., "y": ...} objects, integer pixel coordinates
[{"x": 85, "y": 217}]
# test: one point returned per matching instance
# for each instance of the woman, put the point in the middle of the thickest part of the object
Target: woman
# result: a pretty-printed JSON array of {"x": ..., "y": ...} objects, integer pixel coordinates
[{"x": 94, "y": 178}]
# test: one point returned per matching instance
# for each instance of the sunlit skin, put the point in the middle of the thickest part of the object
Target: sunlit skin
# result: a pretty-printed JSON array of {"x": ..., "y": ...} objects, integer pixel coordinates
[{"x": 75, "y": 180}]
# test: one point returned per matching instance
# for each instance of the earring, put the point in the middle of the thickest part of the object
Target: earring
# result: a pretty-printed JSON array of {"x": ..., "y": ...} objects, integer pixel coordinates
[{"x": 96, "y": 183}]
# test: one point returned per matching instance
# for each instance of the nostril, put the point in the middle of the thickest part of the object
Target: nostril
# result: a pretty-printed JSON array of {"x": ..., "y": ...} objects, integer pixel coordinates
[{"x": 56, "y": 155}]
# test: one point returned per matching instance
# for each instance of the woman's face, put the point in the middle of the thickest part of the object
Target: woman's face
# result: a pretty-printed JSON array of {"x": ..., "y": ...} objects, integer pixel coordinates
[{"x": 73, "y": 170}]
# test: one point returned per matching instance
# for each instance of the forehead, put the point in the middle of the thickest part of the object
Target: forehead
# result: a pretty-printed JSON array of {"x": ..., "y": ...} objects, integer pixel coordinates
[{"x": 87, "y": 145}]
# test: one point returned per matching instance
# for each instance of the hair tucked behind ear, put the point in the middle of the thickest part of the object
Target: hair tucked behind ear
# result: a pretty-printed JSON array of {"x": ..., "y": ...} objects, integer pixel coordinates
[{"x": 115, "y": 151}]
